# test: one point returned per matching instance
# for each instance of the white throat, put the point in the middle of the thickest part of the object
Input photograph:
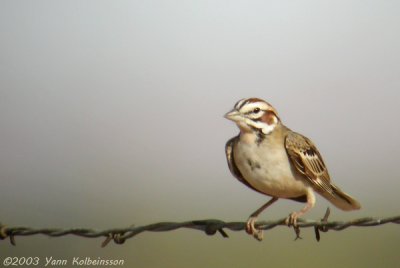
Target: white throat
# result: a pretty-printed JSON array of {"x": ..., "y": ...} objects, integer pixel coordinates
[{"x": 264, "y": 127}]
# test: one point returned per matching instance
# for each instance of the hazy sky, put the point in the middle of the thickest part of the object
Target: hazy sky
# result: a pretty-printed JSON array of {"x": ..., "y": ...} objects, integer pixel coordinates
[{"x": 111, "y": 114}]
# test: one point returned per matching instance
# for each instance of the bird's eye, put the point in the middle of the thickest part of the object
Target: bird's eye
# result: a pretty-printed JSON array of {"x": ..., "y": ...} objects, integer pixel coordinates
[{"x": 256, "y": 110}]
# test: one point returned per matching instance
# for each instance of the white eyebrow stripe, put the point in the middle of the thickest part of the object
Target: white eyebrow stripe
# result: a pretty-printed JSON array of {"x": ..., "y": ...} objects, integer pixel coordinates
[{"x": 251, "y": 106}]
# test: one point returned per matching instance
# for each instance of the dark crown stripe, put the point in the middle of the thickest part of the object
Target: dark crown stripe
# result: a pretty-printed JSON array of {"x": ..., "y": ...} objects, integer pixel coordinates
[{"x": 245, "y": 102}]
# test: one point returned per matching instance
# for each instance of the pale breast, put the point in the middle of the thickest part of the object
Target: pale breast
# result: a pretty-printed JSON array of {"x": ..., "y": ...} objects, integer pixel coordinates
[{"x": 266, "y": 167}]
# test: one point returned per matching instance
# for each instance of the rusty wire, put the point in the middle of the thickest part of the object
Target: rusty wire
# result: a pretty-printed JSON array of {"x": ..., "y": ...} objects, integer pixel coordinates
[{"x": 209, "y": 226}]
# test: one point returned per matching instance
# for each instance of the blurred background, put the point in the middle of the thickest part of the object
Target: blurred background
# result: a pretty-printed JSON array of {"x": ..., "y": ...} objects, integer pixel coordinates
[{"x": 111, "y": 114}]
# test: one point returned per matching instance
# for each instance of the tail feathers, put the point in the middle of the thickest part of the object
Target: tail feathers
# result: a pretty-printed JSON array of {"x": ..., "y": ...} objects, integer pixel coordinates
[{"x": 341, "y": 199}]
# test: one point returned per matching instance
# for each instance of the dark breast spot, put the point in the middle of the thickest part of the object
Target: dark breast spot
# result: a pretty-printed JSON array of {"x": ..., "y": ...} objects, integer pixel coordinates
[
  {"x": 253, "y": 164},
  {"x": 260, "y": 137}
]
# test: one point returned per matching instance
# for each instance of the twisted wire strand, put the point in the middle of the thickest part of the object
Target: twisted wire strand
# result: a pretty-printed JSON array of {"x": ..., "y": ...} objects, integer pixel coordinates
[{"x": 209, "y": 226}]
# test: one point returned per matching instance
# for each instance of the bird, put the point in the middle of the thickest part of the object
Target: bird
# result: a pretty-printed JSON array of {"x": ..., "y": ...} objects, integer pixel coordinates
[{"x": 275, "y": 161}]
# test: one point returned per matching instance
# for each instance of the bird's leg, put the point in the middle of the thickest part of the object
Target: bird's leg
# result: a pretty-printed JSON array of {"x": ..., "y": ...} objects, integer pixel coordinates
[
  {"x": 292, "y": 219},
  {"x": 250, "y": 224}
]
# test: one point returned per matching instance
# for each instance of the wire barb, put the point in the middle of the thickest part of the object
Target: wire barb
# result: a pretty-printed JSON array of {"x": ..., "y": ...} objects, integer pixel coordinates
[
  {"x": 208, "y": 226},
  {"x": 322, "y": 228}
]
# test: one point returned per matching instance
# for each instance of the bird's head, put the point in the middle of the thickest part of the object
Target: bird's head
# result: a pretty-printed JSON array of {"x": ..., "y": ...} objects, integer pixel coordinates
[{"x": 254, "y": 114}]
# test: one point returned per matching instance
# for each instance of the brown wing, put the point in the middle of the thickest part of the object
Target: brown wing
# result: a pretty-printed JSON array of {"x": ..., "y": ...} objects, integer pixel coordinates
[{"x": 308, "y": 161}]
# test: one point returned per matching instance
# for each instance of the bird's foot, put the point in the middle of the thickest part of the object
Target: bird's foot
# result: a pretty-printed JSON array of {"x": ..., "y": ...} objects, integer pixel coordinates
[
  {"x": 291, "y": 220},
  {"x": 252, "y": 230}
]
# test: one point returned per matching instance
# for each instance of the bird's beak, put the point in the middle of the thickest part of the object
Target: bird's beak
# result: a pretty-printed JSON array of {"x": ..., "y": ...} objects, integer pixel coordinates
[{"x": 233, "y": 115}]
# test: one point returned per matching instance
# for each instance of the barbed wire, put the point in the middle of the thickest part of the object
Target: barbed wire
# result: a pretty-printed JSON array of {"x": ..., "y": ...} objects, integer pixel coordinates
[{"x": 209, "y": 226}]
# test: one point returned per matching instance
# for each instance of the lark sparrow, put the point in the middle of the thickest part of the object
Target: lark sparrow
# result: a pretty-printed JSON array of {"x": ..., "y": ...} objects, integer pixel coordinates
[{"x": 273, "y": 160}]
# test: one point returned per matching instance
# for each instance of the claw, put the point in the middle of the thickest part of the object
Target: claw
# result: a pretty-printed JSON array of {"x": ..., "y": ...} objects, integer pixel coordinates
[
  {"x": 292, "y": 219},
  {"x": 252, "y": 230}
]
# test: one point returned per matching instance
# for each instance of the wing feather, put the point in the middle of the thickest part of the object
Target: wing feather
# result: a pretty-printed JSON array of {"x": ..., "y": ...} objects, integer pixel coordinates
[{"x": 308, "y": 161}]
